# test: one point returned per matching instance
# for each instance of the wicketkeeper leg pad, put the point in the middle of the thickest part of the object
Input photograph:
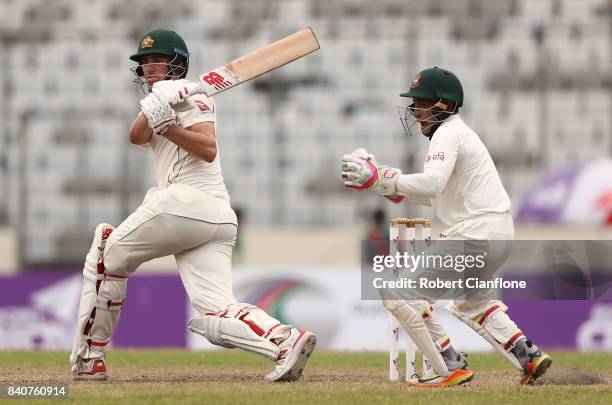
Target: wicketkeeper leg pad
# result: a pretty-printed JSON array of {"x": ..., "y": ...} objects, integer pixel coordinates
[
  {"x": 241, "y": 326},
  {"x": 436, "y": 330},
  {"x": 409, "y": 315},
  {"x": 494, "y": 326}
]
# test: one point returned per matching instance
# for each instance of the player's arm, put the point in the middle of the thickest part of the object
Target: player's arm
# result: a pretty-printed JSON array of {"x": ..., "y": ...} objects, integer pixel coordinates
[
  {"x": 439, "y": 166},
  {"x": 140, "y": 133},
  {"x": 195, "y": 133},
  {"x": 198, "y": 140},
  {"x": 417, "y": 200},
  {"x": 361, "y": 171}
]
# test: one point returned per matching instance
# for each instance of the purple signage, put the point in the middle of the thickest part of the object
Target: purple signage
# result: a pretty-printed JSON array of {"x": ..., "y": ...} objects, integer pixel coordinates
[
  {"x": 39, "y": 310},
  {"x": 582, "y": 325}
]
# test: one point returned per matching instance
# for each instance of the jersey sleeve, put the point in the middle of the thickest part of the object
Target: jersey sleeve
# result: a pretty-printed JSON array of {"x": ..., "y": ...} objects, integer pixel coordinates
[
  {"x": 418, "y": 200},
  {"x": 202, "y": 109},
  {"x": 439, "y": 165}
]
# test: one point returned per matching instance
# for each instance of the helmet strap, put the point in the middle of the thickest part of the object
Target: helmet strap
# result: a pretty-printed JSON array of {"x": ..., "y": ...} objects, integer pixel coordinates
[{"x": 440, "y": 109}]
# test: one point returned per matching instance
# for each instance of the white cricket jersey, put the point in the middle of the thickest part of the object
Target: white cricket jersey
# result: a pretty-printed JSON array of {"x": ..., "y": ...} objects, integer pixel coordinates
[
  {"x": 461, "y": 181},
  {"x": 175, "y": 169}
]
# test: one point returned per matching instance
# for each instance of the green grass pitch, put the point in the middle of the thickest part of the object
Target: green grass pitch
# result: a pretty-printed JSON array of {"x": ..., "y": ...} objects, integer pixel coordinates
[{"x": 234, "y": 377}]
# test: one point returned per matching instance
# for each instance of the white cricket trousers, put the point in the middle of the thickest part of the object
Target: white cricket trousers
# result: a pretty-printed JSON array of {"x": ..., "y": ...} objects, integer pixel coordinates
[
  {"x": 203, "y": 253},
  {"x": 198, "y": 229}
]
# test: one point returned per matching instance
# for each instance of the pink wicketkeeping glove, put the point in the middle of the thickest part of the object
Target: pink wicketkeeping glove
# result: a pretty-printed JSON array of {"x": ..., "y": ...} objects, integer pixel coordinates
[{"x": 360, "y": 171}]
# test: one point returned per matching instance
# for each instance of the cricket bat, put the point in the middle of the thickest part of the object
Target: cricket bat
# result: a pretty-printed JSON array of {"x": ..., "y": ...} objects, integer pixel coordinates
[{"x": 256, "y": 63}]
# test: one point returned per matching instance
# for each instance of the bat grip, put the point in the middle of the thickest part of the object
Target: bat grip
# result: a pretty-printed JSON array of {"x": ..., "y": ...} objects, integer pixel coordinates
[{"x": 195, "y": 88}]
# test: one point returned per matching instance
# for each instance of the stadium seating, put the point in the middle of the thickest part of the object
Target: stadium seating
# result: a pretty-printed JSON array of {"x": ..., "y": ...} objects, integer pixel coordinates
[{"x": 536, "y": 75}]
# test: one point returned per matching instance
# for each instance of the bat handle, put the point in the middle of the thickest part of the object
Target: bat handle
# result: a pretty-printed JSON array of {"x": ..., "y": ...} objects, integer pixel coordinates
[{"x": 195, "y": 88}]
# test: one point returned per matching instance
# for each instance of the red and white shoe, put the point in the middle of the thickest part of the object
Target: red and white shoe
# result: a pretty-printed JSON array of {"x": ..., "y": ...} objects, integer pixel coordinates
[
  {"x": 89, "y": 369},
  {"x": 293, "y": 353},
  {"x": 435, "y": 380}
]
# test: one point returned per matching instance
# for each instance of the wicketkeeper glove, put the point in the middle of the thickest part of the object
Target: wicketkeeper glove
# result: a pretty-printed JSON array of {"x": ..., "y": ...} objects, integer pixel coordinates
[{"x": 360, "y": 171}]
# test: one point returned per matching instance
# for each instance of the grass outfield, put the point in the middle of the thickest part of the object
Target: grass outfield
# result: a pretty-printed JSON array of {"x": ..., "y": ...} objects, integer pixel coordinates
[{"x": 234, "y": 377}]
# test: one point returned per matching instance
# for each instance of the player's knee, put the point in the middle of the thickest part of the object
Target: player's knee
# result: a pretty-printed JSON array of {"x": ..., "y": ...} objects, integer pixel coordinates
[
  {"x": 480, "y": 312},
  {"x": 411, "y": 311},
  {"x": 119, "y": 258},
  {"x": 102, "y": 233}
]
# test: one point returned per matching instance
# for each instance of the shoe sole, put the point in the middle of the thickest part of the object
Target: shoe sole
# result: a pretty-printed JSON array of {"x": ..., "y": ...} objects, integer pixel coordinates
[
  {"x": 539, "y": 371},
  {"x": 467, "y": 380},
  {"x": 295, "y": 372},
  {"x": 94, "y": 377},
  {"x": 450, "y": 382}
]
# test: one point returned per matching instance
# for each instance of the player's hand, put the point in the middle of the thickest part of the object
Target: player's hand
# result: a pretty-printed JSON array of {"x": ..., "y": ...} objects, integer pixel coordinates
[
  {"x": 172, "y": 92},
  {"x": 160, "y": 115},
  {"x": 357, "y": 172},
  {"x": 361, "y": 171}
]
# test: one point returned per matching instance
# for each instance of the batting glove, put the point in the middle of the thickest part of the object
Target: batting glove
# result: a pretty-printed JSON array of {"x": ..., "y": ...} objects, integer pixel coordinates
[
  {"x": 171, "y": 91},
  {"x": 159, "y": 115}
]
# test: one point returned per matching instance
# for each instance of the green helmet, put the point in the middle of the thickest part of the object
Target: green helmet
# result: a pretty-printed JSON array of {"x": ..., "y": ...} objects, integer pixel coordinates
[
  {"x": 436, "y": 84},
  {"x": 163, "y": 42}
]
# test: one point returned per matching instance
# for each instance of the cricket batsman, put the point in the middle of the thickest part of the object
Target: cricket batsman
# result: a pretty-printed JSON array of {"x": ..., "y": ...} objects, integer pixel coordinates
[
  {"x": 460, "y": 182},
  {"x": 187, "y": 215}
]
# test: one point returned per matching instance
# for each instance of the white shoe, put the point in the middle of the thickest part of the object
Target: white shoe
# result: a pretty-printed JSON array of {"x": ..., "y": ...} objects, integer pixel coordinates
[
  {"x": 89, "y": 369},
  {"x": 292, "y": 356}
]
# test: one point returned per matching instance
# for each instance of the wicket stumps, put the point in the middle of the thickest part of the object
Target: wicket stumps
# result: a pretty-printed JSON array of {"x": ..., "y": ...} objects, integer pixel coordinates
[{"x": 405, "y": 229}]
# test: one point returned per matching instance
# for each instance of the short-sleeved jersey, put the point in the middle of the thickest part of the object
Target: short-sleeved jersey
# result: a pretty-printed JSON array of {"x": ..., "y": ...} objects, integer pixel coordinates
[
  {"x": 175, "y": 165},
  {"x": 189, "y": 186},
  {"x": 459, "y": 176}
]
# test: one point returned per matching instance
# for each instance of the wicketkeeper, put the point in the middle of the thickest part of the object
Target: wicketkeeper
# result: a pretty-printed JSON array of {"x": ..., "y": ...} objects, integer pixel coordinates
[
  {"x": 187, "y": 215},
  {"x": 460, "y": 182}
]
